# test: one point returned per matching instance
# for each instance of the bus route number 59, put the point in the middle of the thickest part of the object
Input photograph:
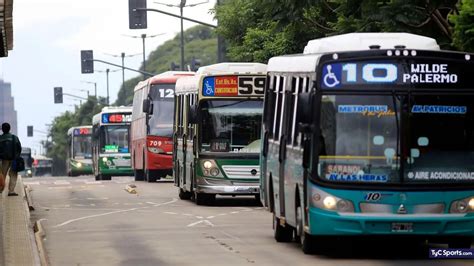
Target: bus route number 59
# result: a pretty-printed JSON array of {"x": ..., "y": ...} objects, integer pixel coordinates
[{"x": 251, "y": 85}]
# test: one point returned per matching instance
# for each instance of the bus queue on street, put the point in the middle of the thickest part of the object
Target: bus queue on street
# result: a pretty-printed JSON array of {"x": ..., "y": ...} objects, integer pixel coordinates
[{"x": 363, "y": 134}]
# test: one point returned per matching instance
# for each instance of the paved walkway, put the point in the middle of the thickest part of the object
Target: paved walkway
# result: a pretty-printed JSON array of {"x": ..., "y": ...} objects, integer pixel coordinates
[{"x": 18, "y": 246}]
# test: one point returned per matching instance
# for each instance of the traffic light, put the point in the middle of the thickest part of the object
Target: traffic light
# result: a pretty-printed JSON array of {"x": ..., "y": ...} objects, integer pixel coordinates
[
  {"x": 136, "y": 18},
  {"x": 87, "y": 61},
  {"x": 58, "y": 95},
  {"x": 195, "y": 64},
  {"x": 29, "y": 131}
]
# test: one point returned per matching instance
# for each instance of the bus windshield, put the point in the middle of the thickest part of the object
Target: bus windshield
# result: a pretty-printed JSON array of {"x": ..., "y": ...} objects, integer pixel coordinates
[
  {"x": 114, "y": 139},
  {"x": 231, "y": 126},
  {"x": 358, "y": 141},
  {"x": 82, "y": 148},
  {"x": 440, "y": 139},
  {"x": 161, "y": 121}
]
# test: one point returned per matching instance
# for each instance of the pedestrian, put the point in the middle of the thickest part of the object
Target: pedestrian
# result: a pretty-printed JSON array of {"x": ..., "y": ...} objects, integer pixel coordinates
[{"x": 10, "y": 149}]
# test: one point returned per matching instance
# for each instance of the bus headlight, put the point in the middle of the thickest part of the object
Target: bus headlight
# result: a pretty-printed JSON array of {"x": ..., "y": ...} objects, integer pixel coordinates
[
  {"x": 462, "y": 206},
  {"x": 79, "y": 165},
  {"x": 104, "y": 159},
  {"x": 207, "y": 165},
  {"x": 28, "y": 172},
  {"x": 322, "y": 200},
  {"x": 214, "y": 171}
]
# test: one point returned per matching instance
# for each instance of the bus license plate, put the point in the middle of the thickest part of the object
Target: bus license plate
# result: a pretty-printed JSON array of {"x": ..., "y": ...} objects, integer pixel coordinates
[{"x": 402, "y": 227}]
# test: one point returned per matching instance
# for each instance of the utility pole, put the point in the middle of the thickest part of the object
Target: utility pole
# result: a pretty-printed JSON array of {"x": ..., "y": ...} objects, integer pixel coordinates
[
  {"x": 107, "y": 74},
  {"x": 123, "y": 76},
  {"x": 143, "y": 37},
  {"x": 181, "y": 7}
]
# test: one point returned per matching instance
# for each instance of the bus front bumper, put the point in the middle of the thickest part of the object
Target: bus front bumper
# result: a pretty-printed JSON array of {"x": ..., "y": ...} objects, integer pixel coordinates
[
  {"x": 225, "y": 187},
  {"x": 322, "y": 222}
]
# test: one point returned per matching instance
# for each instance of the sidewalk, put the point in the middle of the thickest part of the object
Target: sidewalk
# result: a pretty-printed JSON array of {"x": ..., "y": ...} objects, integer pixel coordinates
[{"x": 17, "y": 241}]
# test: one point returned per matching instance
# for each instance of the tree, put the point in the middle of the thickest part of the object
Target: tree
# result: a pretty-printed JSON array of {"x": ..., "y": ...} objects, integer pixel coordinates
[
  {"x": 256, "y": 30},
  {"x": 463, "y": 33},
  {"x": 200, "y": 43},
  {"x": 58, "y": 146}
]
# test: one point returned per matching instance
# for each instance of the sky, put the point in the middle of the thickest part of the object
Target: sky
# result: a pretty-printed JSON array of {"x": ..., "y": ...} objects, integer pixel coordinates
[{"x": 48, "y": 38}]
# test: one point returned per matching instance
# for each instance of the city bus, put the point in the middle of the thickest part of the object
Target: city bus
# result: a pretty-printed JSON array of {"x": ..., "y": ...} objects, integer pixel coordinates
[
  {"x": 152, "y": 126},
  {"x": 370, "y": 134},
  {"x": 110, "y": 143},
  {"x": 217, "y": 126},
  {"x": 79, "y": 154},
  {"x": 26, "y": 155},
  {"x": 42, "y": 166}
]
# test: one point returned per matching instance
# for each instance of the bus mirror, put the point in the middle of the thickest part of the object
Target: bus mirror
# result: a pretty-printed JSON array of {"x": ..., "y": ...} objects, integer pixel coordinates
[
  {"x": 147, "y": 106},
  {"x": 303, "y": 111},
  {"x": 193, "y": 114}
]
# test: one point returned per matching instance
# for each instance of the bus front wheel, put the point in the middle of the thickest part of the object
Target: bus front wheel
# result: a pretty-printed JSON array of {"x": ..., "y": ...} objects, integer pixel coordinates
[
  {"x": 184, "y": 195},
  {"x": 204, "y": 199},
  {"x": 305, "y": 239}
]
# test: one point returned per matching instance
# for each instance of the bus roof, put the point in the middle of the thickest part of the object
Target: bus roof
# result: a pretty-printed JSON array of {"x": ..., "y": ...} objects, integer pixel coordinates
[
  {"x": 191, "y": 84},
  {"x": 308, "y": 61},
  {"x": 70, "y": 130},
  {"x": 110, "y": 110},
  {"x": 25, "y": 150},
  {"x": 363, "y": 41},
  {"x": 232, "y": 68},
  {"x": 165, "y": 77}
]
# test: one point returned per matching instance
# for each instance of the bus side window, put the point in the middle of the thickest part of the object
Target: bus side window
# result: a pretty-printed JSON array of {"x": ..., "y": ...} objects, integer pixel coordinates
[
  {"x": 304, "y": 87},
  {"x": 269, "y": 114},
  {"x": 279, "y": 89},
  {"x": 180, "y": 115},
  {"x": 290, "y": 99},
  {"x": 298, "y": 88},
  {"x": 190, "y": 99}
]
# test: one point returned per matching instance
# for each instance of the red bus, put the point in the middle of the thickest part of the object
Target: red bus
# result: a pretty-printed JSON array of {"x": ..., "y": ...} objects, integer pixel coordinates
[{"x": 152, "y": 126}]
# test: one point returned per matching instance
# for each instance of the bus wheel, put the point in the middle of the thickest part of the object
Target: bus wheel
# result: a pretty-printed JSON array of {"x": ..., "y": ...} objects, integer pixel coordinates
[
  {"x": 184, "y": 195},
  {"x": 149, "y": 177},
  {"x": 305, "y": 239},
  {"x": 106, "y": 177},
  {"x": 281, "y": 233},
  {"x": 462, "y": 242},
  {"x": 98, "y": 177}
]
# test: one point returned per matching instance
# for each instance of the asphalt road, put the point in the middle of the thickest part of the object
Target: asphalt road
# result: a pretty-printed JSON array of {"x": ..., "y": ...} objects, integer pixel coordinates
[{"x": 91, "y": 222}]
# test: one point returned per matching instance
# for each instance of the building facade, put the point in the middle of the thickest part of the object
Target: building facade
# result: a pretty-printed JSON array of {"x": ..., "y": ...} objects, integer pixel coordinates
[{"x": 7, "y": 106}]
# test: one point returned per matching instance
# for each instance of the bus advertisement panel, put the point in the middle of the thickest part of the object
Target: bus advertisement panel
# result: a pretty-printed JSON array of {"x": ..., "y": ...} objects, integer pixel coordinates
[
  {"x": 152, "y": 126},
  {"x": 217, "y": 131},
  {"x": 383, "y": 146},
  {"x": 110, "y": 143},
  {"x": 79, "y": 156}
]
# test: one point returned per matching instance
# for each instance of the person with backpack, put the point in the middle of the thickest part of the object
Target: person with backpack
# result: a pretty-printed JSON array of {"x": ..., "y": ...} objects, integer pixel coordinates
[{"x": 10, "y": 150}]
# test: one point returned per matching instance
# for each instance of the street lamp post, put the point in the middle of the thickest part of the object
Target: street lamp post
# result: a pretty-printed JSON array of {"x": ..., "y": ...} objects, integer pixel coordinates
[
  {"x": 107, "y": 74},
  {"x": 181, "y": 6},
  {"x": 143, "y": 37},
  {"x": 95, "y": 87}
]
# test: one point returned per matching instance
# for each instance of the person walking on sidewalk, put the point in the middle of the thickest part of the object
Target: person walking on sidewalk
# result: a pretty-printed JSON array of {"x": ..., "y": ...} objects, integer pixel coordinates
[{"x": 10, "y": 149}]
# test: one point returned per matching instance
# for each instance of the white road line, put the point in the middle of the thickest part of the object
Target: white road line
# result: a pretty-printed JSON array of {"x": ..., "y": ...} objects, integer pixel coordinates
[
  {"x": 234, "y": 212},
  {"x": 93, "y": 182},
  {"x": 222, "y": 214},
  {"x": 201, "y": 221},
  {"x": 210, "y": 217},
  {"x": 173, "y": 213},
  {"x": 187, "y": 214},
  {"x": 61, "y": 182},
  {"x": 68, "y": 187},
  {"x": 109, "y": 213},
  {"x": 199, "y": 217},
  {"x": 32, "y": 183}
]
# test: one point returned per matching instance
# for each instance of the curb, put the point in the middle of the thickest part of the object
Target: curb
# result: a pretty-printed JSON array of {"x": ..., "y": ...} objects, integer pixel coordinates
[
  {"x": 29, "y": 198},
  {"x": 39, "y": 236}
]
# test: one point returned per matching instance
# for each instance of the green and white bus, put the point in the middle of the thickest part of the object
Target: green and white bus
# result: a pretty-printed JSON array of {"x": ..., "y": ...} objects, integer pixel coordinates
[
  {"x": 217, "y": 130},
  {"x": 370, "y": 134},
  {"x": 79, "y": 155},
  {"x": 111, "y": 142}
]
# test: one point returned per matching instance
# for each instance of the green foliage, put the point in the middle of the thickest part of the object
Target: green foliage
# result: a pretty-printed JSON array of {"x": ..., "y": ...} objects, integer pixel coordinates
[
  {"x": 463, "y": 34},
  {"x": 256, "y": 30},
  {"x": 58, "y": 146},
  {"x": 200, "y": 43}
]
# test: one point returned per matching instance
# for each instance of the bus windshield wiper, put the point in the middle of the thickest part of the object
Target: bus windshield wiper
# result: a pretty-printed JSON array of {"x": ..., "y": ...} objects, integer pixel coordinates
[{"x": 397, "y": 121}]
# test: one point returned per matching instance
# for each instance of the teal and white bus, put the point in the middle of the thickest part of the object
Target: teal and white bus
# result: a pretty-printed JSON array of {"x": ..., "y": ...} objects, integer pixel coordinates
[
  {"x": 111, "y": 142},
  {"x": 79, "y": 155},
  {"x": 217, "y": 131},
  {"x": 370, "y": 134}
]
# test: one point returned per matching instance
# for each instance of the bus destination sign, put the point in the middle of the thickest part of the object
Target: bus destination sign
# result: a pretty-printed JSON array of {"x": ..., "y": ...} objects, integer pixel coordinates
[
  {"x": 230, "y": 86},
  {"x": 116, "y": 118},
  {"x": 420, "y": 73},
  {"x": 82, "y": 131}
]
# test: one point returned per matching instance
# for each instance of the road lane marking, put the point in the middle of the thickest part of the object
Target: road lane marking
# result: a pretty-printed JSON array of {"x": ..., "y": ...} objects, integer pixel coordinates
[
  {"x": 173, "y": 213},
  {"x": 110, "y": 213},
  {"x": 199, "y": 222}
]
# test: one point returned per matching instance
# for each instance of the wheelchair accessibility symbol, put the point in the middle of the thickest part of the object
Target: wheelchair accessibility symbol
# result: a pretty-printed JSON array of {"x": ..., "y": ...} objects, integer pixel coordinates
[
  {"x": 208, "y": 87},
  {"x": 330, "y": 78}
]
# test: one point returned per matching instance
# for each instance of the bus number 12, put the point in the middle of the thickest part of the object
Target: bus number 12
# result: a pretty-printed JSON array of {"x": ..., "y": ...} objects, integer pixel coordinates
[{"x": 166, "y": 93}]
